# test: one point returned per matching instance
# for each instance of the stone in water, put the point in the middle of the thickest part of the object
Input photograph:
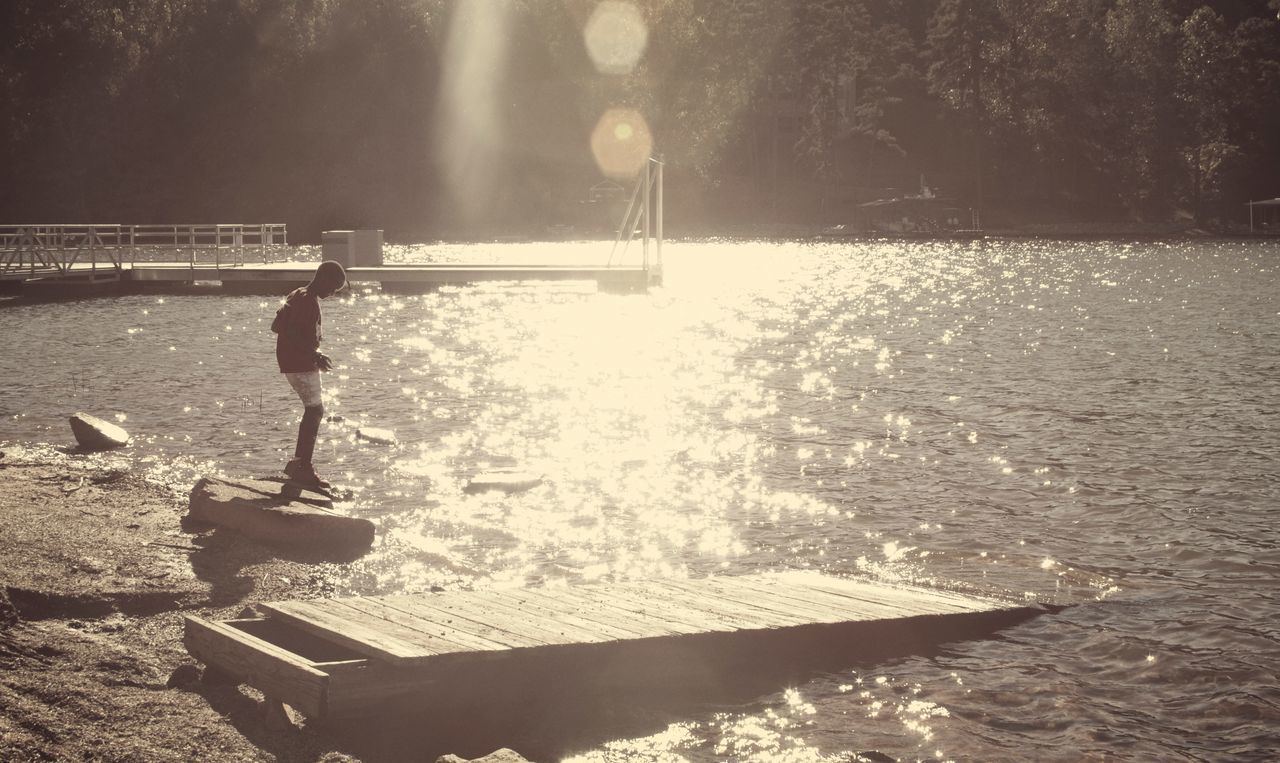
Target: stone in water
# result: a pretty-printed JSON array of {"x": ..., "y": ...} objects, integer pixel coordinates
[
  {"x": 95, "y": 434},
  {"x": 376, "y": 435},
  {"x": 506, "y": 481}
]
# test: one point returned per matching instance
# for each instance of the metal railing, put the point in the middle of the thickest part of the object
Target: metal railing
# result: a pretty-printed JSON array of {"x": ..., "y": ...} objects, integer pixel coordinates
[
  {"x": 58, "y": 249},
  {"x": 644, "y": 215}
]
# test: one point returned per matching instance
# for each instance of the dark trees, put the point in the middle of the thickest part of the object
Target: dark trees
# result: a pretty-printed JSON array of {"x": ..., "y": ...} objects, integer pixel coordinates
[{"x": 327, "y": 113}]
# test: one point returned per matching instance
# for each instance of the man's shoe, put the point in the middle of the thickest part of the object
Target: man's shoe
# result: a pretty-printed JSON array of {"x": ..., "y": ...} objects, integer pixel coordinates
[{"x": 305, "y": 474}]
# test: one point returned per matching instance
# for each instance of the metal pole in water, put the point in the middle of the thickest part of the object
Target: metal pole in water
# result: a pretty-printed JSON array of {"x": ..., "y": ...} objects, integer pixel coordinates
[
  {"x": 645, "y": 209},
  {"x": 660, "y": 207}
]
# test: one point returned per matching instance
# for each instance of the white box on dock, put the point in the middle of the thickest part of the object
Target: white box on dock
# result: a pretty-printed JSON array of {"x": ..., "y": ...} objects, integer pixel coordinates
[{"x": 353, "y": 247}]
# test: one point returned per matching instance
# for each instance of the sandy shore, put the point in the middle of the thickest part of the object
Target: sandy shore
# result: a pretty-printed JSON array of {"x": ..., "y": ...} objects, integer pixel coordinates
[{"x": 98, "y": 570}]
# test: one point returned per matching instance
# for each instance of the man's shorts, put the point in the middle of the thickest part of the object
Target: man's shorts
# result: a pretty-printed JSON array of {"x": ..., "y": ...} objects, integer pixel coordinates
[{"x": 307, "y": 385}]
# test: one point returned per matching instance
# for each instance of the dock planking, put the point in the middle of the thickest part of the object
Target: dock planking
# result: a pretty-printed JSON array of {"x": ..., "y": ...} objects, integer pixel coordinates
[{"x": 378, "y": 649}]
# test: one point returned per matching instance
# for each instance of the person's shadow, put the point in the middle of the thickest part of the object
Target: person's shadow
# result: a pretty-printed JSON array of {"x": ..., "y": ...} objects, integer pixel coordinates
[{"x": 223, "y": 554}]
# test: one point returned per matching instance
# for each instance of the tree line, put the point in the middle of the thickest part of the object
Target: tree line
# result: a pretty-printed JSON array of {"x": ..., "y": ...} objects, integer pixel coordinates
[{"x": 373, "y": 113}]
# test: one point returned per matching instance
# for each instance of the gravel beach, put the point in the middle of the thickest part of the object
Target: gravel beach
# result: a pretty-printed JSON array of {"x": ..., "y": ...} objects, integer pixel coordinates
[{"x": 98, "y": 570}]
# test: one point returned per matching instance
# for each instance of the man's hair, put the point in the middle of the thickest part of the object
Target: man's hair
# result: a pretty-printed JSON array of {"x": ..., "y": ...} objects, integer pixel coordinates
[{"x": 330, "y": 273}]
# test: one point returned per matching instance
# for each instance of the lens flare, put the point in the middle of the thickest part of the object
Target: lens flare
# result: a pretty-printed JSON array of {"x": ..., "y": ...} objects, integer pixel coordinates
[
  {"x": 621, "y": 143},
  {"x": 615, "y": 36}
]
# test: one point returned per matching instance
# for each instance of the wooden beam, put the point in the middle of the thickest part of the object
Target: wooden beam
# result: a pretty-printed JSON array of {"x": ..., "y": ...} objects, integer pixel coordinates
[
  {"x": 263, "y": 665},
  {"x": 321, "y": 621}
]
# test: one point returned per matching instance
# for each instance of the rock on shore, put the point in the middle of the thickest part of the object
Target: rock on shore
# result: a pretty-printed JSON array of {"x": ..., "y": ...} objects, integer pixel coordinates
[
  {"x": 94, "y": 433},
  {"x": 277, "y": 513},
  {"x": 96, "y": 570}
]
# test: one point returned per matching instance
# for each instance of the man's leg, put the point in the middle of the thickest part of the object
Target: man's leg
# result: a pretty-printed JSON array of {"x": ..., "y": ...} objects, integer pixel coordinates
[
  {"x": 309, "y": 390},
  {"x": 308, "y": 432}
]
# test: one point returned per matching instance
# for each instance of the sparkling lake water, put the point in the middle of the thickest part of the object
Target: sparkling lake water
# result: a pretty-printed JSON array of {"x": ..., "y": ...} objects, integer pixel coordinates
[{"x": 1090, "y": 423}]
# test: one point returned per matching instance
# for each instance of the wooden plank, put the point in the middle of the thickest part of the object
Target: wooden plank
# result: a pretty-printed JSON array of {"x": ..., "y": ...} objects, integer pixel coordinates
[
  {"x": 591, "y": 605},
  {"x": 922, "y": 600},
  {"x": 781, "y": 616},
  {"x": 565, "y": 621},
  {"x": 397, "y": 625},
  {"x": 597, "y": 607},
  {"x": 530, "y": 630},
  {"x": 545, "y": 599},
  {"x": 748, "y": 596},
  {"x": 740, "y": 617},
  {"x": 431, "y": 626},
  {"x": 728, "y": 616},
  {"x": 631, "y": 598},
  {"x": 364, "y": 687},
  {"x": 810, "y": 599},
  {"x": 344, "y": 631},
  {"x": 569, "y": 628},
  {"x": 424, "y": 607},
  {"x": 515, "y": 630},
  {"x": 617, "y": 605},
  {"x": 818, "y": 607},
  {"x": 852, "y": 600},
  {"x": 719, "y": 619},
  {"x": 852, "y": 608},
  {"x": 275, "y": 671}
]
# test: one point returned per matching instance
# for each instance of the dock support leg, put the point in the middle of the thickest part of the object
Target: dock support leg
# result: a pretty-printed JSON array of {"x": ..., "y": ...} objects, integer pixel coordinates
[
  {"x": 215, "y": 676},
  {"x": 274, "y": 716}
]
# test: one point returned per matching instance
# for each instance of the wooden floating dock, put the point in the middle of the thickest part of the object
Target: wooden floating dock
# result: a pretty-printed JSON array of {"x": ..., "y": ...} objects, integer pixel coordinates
[
  {"x": 348, "y": 657},
  {"x": 282, "y": 277},
  {"x": 81, "y": 260}
]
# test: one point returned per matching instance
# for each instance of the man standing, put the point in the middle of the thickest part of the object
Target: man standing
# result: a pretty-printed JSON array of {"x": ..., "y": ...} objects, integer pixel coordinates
[{"x": 297, "y": 328}]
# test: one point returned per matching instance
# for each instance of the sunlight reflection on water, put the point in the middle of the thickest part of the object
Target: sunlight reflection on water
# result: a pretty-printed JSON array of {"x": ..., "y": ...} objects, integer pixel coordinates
[{"x": 1089, "y": 422}]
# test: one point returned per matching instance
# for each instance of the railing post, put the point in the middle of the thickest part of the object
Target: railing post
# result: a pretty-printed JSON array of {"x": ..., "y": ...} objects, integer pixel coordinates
[{"x": 62, "y": 250}]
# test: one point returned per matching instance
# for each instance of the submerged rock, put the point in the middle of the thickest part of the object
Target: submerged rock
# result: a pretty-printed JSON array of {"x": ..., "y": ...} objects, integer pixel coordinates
[
  {"x": 506, "y": 481},
  {"x": 376, "y": 435},
  {"x": 95, "y": 434},
  {"x": 503, "y": 755}
]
